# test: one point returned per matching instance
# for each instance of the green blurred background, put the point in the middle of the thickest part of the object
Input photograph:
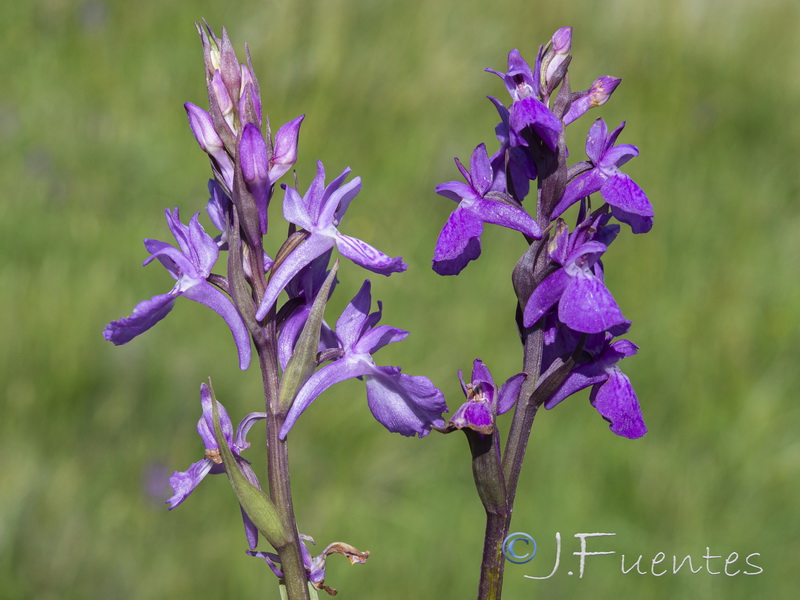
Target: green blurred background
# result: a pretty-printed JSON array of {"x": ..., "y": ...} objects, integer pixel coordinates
[{"x": 95, "y": 145}]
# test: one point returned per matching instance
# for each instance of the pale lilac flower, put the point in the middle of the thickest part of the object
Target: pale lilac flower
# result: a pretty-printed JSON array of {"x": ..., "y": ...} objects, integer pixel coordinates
[
  {"x": 190, "y": 265},
  {"x": 184, "y": 482},
  {"x": 612, "y": 393},
  {"x": 319, "y": 213},
  {"x": 402, "y": 403},
  {"x": 460, "y": 239},
  {"x": 484, "y": 401},
  {"x": 628, "y": 202}
]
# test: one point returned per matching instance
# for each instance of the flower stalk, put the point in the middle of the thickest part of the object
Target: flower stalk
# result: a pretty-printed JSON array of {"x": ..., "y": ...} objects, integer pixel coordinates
[
  {"x": 300, "y": 356},
  {"x": 565, "y": 315}
]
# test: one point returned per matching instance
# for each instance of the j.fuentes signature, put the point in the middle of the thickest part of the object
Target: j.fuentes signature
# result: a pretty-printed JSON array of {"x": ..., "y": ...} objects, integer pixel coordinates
[{"x": 520, "y": 548}]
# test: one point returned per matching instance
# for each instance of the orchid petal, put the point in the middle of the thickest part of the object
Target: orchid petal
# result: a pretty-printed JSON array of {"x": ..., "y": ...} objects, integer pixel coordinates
[
  {"x": 404, "y": 404},
  {"x": 369, "y": 257},
  {"x": 285, "y": 151},
  {"x": 184, "y": 482},
  {"x": 580, "y": 187},
  {"x": 509, "y": 392},
  {"x": 145, "y": 314},
  {"x": 617, "y": 403},
  {"x": 622, "y": 192},
  {"x": 505, "y": 215},
  {"x": 458, "y": 243},
  {"x": 588, "y": 306},
  {"x": 545, "y": 296}
]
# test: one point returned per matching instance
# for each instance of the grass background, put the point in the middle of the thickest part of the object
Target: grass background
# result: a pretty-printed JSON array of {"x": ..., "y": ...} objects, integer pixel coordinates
[{"x": 95, "y": 146}]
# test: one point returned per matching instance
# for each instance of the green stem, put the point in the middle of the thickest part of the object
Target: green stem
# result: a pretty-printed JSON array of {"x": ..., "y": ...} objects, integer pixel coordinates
[{"x": 294, "y": 573}]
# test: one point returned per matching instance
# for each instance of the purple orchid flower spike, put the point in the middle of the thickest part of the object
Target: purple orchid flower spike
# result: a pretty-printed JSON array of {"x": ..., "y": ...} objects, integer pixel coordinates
[
  {"x": 184, "y": 482},
  {"x": 191, "y": 266},
  {"x": 319, "y": 213},
  {"x": 612, "y": 393},
  {"x": 484, "y": 401},
  {"x": 584, "y": 302},
  {"x": 527, "y": 110},
  {"x": 405, "y": 404},
  {"x": 628, "y": 202},
  {"x": 460, "y": 239}
]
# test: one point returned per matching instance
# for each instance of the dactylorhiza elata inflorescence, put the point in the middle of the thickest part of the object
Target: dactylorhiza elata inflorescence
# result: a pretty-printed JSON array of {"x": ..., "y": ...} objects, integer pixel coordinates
[
  {"x": 566, "y": 296},
  {"x": 300, "y": 355},
  {"x": 567, "y": 318}
]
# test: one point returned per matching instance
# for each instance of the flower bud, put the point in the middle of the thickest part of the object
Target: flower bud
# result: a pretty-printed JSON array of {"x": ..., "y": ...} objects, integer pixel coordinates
[
  {"x": 285, "y": 151},
  {"x": 561, "y": 45},
  {"x": 219, "y": 92},
  {"x": 255, "y": 169},
  {"x": 595, "y": 96},
  {"x": 206, "y": 135},
  {"x": 229, "y": 67}
]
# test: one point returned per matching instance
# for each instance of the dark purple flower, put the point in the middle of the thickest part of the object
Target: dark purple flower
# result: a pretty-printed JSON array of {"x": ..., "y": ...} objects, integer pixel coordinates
[
  {"x": 190, "y": 265},
  {"x": 184, "y": 482},
  {"x": 402, "y": 403},
  {"x": 484, "y": 402},
  {"x": 459, "y": 241},
  {"x": 584, "y": 302},
  {"x": 612, "y": 393},
  {"x": 527, "y": 109},
  {"x": 319, "y": 213},
  {"x": 512, "y": 166},
  {"x": 628, "y": 202}
]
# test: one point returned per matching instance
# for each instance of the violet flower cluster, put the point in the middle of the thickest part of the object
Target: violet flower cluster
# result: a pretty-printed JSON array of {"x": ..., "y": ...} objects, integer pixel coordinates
[
  {"x": 299, "y": 354},
  {"x": 560, "y": 281},
  {"x": 569, "y": 321}
]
